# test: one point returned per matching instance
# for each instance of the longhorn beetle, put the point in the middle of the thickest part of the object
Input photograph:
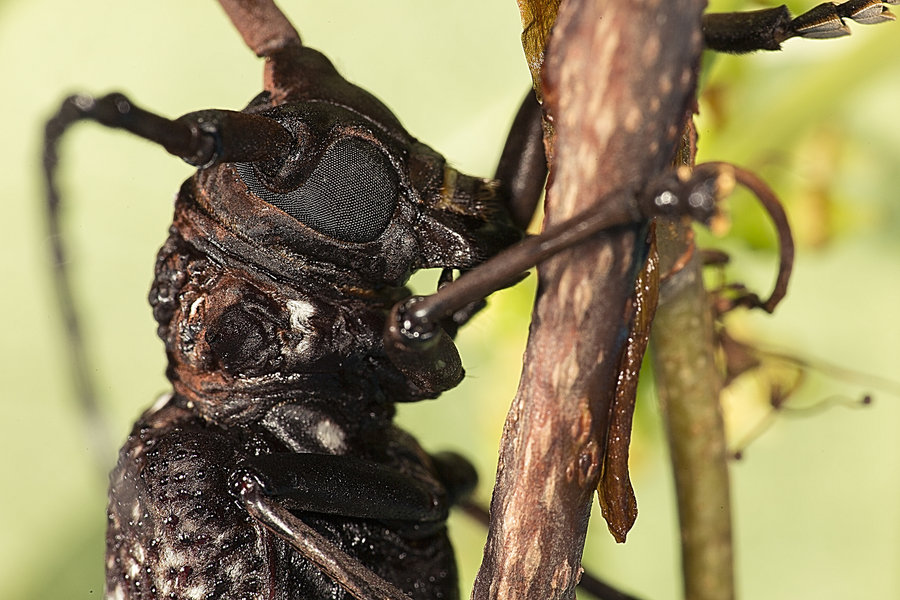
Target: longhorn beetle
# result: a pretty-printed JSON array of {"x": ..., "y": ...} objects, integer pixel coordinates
[{"x": 289, "y": 247}]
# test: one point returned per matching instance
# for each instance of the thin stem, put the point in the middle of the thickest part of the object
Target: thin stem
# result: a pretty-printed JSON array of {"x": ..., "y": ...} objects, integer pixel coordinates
[{"x": 688, "y": 385}]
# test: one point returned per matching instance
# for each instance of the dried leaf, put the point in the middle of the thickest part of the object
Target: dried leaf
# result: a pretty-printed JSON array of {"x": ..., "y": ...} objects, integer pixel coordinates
[
  {"x": 615, "y": 493},
  {"x": 537, "y": 17}
]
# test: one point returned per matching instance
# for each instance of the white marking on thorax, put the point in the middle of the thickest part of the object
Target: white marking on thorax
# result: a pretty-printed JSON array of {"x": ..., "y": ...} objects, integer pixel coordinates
[
  {"x": 330, "y": 435},
  {"x": 195, "y": 306},
  {"x": 301, "y": 313}
]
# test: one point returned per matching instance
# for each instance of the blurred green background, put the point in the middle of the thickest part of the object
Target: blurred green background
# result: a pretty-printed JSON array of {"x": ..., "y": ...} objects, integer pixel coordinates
[{"x": 817, "y": 499}]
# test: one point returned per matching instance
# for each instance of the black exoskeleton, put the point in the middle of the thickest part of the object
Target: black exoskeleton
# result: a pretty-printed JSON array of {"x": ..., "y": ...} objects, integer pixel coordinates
[
  {"x": 271, "y": 294},
  {"x": 273, "y": 469}
]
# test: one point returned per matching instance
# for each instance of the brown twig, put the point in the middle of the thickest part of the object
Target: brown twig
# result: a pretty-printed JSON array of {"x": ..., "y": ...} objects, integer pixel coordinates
[{"x": 618, "y": 78}]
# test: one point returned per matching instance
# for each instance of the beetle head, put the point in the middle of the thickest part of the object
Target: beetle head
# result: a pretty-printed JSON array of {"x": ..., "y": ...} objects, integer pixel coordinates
[{"x": 354, "y": 198}]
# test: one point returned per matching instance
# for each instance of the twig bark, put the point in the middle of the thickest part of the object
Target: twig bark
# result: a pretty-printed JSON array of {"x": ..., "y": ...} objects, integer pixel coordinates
[{"x": 617, "y": 80}]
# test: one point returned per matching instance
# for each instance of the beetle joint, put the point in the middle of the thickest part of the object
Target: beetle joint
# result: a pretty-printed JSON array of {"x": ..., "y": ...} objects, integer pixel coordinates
[
  {"x": 413, "y": 325},
  {"x": 695, "y": 193},
  {"x": 207, "y": 145}
]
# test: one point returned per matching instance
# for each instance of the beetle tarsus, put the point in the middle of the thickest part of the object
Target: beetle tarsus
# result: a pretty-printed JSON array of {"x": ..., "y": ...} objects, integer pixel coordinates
[{"x": 766, "y": 29}]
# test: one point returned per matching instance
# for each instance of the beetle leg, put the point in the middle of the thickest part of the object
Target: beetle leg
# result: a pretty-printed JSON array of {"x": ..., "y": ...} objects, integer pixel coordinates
[
  {"x": 456, "y": 473},
  {"x": 522, "y": 169},
  {"x": 353, "y": 487},
  {"x": 414, "y": 325},
  {"x": 276, "y": 485},
  {"x": 520, "y": 176},
  {"x": 766, "y": 29},
  {"x": 347, "y": 571}
]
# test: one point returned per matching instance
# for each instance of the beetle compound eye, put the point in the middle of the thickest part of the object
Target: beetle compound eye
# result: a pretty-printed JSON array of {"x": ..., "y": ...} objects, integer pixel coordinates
[{"x": 349, "y": 196}]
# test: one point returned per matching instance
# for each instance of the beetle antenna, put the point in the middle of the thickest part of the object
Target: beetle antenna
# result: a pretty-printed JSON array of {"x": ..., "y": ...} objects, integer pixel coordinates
[
  {"x": 201, "y": 139},
  {"x": 85, "y": 388},
  {"x": 773, "y": 207},
  {"x": 261, "y": 23}
]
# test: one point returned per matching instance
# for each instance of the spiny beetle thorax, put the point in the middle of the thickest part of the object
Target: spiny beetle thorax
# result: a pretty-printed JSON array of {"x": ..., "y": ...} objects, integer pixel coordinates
[{"x": 238, "y": 339}]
